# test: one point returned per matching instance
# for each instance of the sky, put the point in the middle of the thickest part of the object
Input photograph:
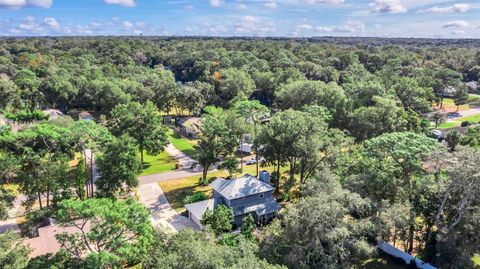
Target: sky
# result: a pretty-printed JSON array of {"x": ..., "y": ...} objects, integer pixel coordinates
[{"x": 289, "y": 18}]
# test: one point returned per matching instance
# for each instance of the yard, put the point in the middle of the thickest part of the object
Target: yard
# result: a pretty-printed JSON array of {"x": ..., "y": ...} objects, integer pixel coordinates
[
  {"x": 162, "y": 162},
  {"x": 187, "y": 146},
  {"x": 476, "y": 260},
  {"x": 472, "y": 119},
  {"x": 177, "y": 189}
]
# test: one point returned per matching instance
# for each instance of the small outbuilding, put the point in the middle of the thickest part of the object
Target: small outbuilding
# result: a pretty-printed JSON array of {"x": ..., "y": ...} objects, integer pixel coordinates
[
  {"x": 85, "y": 115},
  {"x": 189, "y": 126}
]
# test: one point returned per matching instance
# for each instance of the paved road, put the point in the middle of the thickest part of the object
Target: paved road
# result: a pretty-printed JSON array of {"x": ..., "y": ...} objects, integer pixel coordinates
[
  {"x": 453, "y": 116},
  {"x": 152, "y": 196}
]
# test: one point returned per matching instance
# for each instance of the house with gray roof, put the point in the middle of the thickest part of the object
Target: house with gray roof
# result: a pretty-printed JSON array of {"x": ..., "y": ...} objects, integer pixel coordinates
[{"x": 245, "y": 195}]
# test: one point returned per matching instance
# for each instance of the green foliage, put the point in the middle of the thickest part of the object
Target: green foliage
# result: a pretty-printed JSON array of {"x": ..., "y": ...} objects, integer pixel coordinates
[
  {"x": 231, "y": 164},
  {"x": 199, "y": 250},
  {"x": 61, "y": 259},
  {"x": 219, "y": 220},
  {"x": 120, "y": 232},
  {"x": 197, "y": 197},
  {"x": 217, "y": 138},
  {"x": 6, "y": 201},
  {"x": 118, "y": 165},
  {"x": 335, "y": 222},
  {"x": 141, "y": 122},
  {"x": 13, "y": 255},
  {"x": 25, "y": 116},
  {"x": 248, "y": 227},
  {"x": 453, "y": 139}
]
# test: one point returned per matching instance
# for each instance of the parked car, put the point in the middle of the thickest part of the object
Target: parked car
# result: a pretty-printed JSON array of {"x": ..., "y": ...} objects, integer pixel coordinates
[
  {"x": 252, "y": 161},
  {"x": 437, "y": 134}
]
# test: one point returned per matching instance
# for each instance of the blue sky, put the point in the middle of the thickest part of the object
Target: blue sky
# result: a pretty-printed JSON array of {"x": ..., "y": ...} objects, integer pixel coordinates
[{"x": 386, "y": 18}]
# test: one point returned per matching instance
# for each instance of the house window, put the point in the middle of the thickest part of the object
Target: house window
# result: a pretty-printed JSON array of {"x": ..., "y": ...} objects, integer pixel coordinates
[{"x": 261, "y": 195}]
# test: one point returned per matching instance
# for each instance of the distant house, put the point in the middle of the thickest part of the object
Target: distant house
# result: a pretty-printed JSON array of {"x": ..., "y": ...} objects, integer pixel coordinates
[
  {"x": 245, "y": 195},
  {"x": 53, "y": 113},
  {"x": 189, "y": 126},
  {"x": 84, "y": 115}
]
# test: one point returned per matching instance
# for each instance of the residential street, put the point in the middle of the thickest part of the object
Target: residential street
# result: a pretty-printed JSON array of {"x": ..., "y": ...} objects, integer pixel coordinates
[{"x": 453, "y": 116}]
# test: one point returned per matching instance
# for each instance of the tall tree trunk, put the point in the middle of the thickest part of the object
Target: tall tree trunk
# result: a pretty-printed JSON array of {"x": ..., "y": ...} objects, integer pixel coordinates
[
  {"x": 91, "y": 172},
  {"x": 86, "y": 172},
  {"x": 205, "y": 172},
  {"x": 39, "y": 195},
  {"x": 241, "y": 155},
  {"x": 48, "y": 194},
  {"x": 141, "y": 153},
  {"x": 256, "y": 158}
]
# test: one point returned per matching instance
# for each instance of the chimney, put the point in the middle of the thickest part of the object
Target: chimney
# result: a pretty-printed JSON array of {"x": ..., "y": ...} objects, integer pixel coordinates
[{"x": 264, "y": 176}]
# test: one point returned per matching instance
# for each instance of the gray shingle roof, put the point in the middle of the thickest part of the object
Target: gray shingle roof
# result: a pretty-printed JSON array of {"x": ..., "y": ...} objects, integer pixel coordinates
[
  {"x": 240, "y": 187},
  {"x": 197, "y": 209},
  {"x": 267, "y": 206}
]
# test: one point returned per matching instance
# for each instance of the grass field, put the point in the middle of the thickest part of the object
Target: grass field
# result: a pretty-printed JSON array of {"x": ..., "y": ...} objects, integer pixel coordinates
[
  {"x": 157, "y": 164},
  {"x": 472, "y": 119},
  {"x": 187, "y": 146},
  {"x": 476, "y": 260},
  {"x": 177, "y": 189}
]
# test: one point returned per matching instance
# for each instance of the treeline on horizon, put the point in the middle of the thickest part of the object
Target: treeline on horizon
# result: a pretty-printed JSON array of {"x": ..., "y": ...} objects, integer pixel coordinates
[{"x": 347, "y": 121}]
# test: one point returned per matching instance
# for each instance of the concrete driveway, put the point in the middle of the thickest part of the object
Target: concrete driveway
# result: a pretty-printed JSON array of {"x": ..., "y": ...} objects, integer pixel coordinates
[{"x": 152, "y": 196}]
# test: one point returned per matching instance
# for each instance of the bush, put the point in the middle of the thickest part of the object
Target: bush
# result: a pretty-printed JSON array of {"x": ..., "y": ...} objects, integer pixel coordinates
[
  {"x": 196, "y": 197},
  {"x": 466, "y": 123}
]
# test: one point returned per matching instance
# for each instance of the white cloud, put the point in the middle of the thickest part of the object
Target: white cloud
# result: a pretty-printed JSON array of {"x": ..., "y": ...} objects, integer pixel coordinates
[
  {"x": 457, "y": 8},
  {"x": 333, "y": 2},
  {"x": 270, "y": 5},
  {"x": 140, "y": 24},
  {"x": 16, "y": 4},
  {"x": 348, "y": 27},
  {"x": 51, "y": 22},
  {"x": 387, "y": 6},
  {"x": 123, "y": 3},
  {"x": 96, "y": 24},
  {"x": 304, "y": 27},
  {"x": 216, "y": 3},
  {"x": 127, "y": 24},
  {"x": 455, "y": 24},
  {"x": 188, "y": 7},
  {"x": 254, "y": 25},
  {"x": 241, "y": 7}
]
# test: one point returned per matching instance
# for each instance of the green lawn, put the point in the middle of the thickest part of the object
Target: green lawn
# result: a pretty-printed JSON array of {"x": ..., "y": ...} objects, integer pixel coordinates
[
  {"x": 476, "y": 260},
  {"x": 472, "y": 119},
  {"x": 187, "y": 146},
  {"x": 157, "y": 164}
]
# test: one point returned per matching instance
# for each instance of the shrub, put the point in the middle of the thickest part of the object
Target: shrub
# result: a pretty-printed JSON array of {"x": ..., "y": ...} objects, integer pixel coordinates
[{"x": 196, "y": 197}]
